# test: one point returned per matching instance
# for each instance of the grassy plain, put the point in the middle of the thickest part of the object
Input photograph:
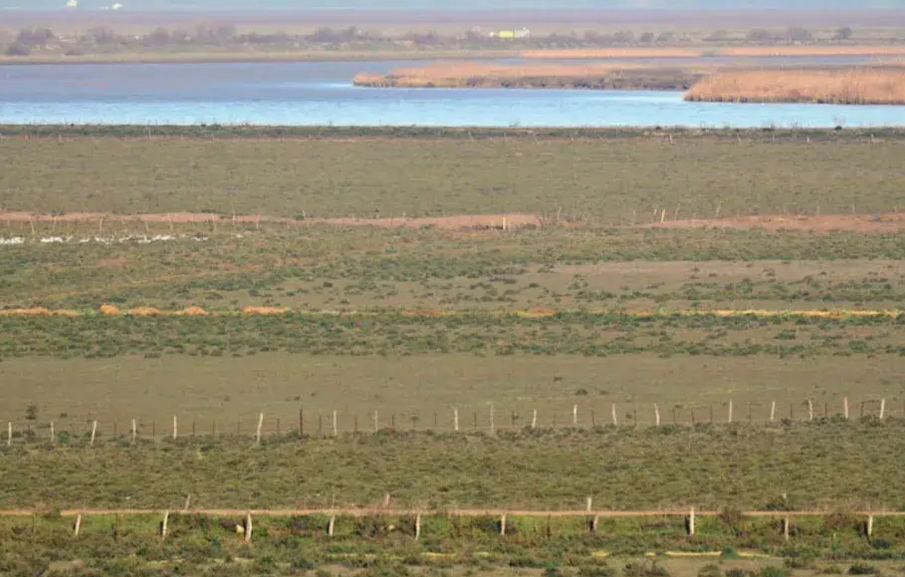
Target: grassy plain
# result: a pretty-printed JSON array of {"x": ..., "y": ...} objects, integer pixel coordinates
[
  {"x": 835, "y": 464},
  {"x": 580, "y": 306},
  {"x": 223, "y": 393},
  {"x": 616, "y": 178}
]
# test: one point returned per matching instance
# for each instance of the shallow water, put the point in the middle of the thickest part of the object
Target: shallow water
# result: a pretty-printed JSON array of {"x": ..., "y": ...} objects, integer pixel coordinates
[{"x": 320, "y": 93}]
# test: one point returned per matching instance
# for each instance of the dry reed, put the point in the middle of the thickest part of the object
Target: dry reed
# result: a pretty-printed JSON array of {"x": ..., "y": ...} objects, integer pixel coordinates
[
  {"x": 583, "y": 53},
  {"x": 839, "y": 86},
  {"x": 470, "y": 74},
  {"x": 810, "y": 51}
]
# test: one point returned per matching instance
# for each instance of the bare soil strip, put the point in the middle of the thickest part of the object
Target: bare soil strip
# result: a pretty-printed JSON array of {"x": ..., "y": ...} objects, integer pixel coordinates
[
  {"x": 194, "y": 311},
  {"x": 501, "y": 221},
  {"x": 877, "y": 223}
]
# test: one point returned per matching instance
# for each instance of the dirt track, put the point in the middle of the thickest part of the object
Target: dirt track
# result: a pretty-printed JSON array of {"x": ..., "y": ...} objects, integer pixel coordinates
[
  {"x": 879, "y": 223},
  {"x": 501, "y": 221},
  {"x": 830, "y": 223}
]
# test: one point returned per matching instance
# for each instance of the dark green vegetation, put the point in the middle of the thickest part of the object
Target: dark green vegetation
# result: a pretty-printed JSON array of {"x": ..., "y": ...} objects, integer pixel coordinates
[
  {"x": 449, "y": 547},
  {"x": 414, "y": 323},
  {"x": 831, "y": 463},
  {"x": 616, "y": 178}
]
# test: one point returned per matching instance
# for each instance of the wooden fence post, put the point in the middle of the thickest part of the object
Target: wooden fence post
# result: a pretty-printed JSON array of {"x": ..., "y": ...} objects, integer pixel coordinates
[
  {"x": 53, "y": 437},
  {"x": 248, "y": 528},
  {"x": 772, "y": 411},
  {"x": 590, "y": 504},
  {"x": 93, "y": 432},
  {"x": 456, "y": 420},
  {"x": 78, "y": 525},
  {"x": 810, "y": 410},
  {"x": 615, "y": 420},
  {"x": 335, "y": 431},
  {"x": 503, "y": 525},
  {"x": 258, "y": 432},
  {"x": 376, "y": 425},
  {"x": 163, "y": 526},
  {"x": 534, "y": 419},
  {"x": 845, "y": 407},
  {"x": 331, "y": 525},
  {"x": 730, "y": 412},
  {"x": 691, "y": 523},
  {"x": 9, "y": 434},
  {"x": 882, "y": 408},
  {"x": 594, "y": 523},
  {"x": 134, "y": 431},
  {"x": 656, "y": 415},
  {"x": 417, "y": 526},
  {"x": 785, "y": 527},
  {"x": 175, "y": 428},
  {"x": 574, "y": 415},
  {"x": 491, "y": 419}
]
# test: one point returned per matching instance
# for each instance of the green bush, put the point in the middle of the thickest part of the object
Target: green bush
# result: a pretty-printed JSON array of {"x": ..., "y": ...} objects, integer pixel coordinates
[
  {"x": 862, "y": 569},
  {"x": 710, "y": 570}
]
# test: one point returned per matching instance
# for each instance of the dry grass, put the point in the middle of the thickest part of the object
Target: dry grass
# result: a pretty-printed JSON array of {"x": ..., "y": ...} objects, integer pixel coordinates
[
  {"x": 612, "y": 53},
  {"x": 37, "y": 312},
  {"x": 459, "y": 73},
  {"x": 738, "y": 51},
  {"x": 811, "y": 51},
  {"x": 840, "y": 86},
  {"x": 481, "y": 75}
]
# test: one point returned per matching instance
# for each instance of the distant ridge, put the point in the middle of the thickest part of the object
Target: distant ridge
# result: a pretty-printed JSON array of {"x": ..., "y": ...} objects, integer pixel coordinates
[{"x": 461, "y": 5}]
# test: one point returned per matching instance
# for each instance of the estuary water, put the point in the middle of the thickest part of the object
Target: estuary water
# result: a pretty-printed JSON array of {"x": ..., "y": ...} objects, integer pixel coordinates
[{"x": 321, "y": 93}]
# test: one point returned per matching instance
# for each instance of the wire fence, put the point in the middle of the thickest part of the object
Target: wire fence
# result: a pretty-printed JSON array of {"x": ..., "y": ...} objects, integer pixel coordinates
[{"x": 489, "y": 420}]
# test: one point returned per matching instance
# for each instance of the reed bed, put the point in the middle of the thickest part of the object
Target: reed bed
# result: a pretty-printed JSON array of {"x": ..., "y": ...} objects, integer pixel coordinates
[
  {"x": 480, "y": 75},
  {"x": 840, "y": 86}
]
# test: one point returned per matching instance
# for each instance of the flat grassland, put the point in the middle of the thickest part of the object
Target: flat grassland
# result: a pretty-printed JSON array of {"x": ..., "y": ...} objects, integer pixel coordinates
[
  {"x": 575, "y": 273},
  {"x": 606, "y": 180}
]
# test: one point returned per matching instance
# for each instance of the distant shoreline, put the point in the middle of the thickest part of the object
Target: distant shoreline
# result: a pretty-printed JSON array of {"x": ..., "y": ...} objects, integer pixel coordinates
[
  {"x": 242, "y": 57},
  {"x": 701, "y": 53}
]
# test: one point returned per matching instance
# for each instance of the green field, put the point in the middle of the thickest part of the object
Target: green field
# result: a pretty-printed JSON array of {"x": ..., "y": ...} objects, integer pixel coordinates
[
  {"x": 828, "y": 464},
  {"x": 603, "y": 179},
  {"x": 587, "y": 310}
]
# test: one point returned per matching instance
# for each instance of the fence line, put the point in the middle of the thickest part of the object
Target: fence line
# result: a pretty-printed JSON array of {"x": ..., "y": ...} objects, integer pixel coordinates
[
  {"x": 243, "y": 526},
  {"x": 581, "y": 416},
  {"x": 378, "y": 511}
]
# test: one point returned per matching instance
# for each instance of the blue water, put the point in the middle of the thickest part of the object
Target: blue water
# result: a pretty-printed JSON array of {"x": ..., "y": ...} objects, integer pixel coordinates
[{"x": 319, "y": 93}]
